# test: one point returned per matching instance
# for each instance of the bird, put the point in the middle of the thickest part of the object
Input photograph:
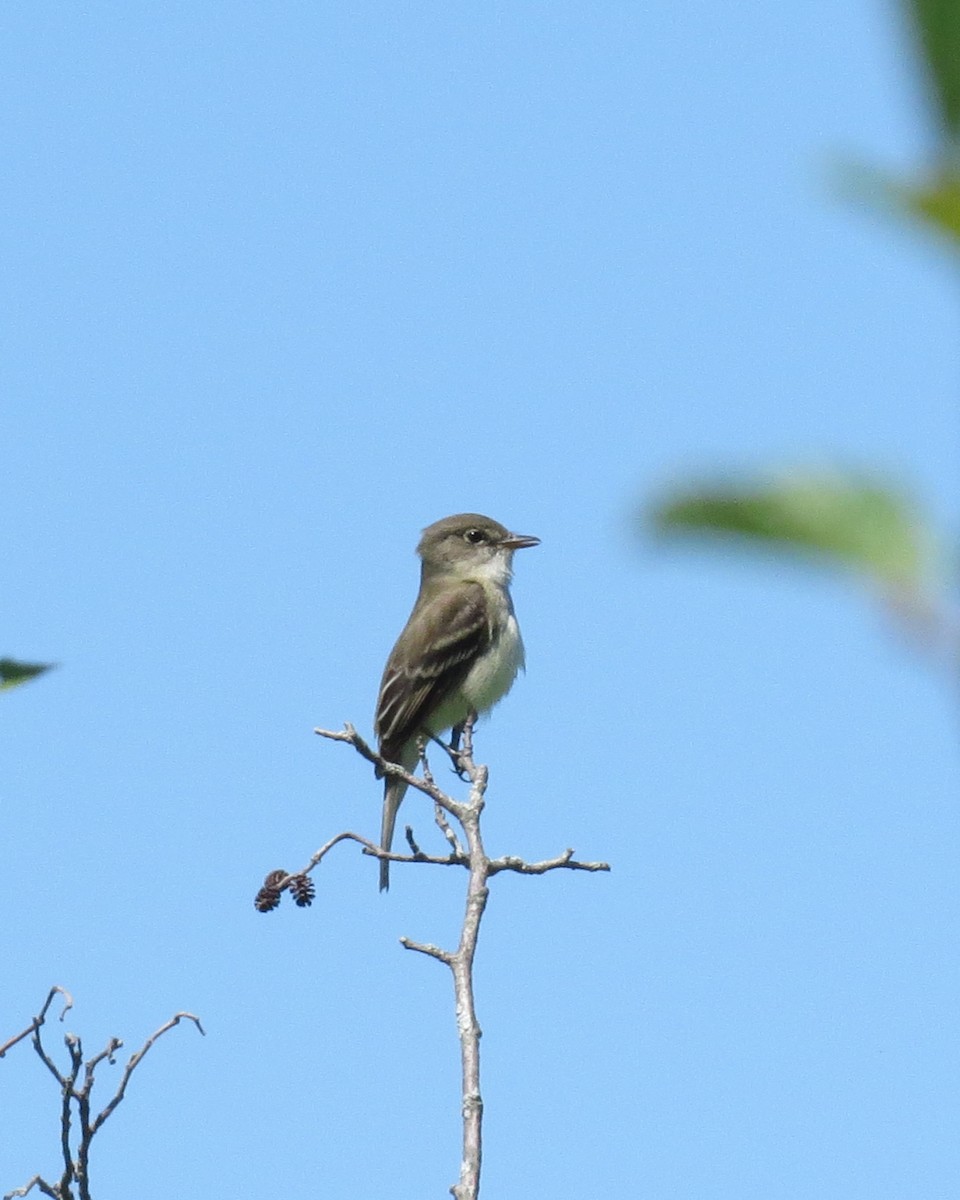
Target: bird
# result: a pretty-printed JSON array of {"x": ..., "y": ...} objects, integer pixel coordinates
[{"x": 458, "y": 653}]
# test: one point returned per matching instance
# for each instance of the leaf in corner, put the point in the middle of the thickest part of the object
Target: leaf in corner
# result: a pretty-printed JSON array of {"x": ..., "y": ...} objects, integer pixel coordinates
[{"x": 13, "y": 673}]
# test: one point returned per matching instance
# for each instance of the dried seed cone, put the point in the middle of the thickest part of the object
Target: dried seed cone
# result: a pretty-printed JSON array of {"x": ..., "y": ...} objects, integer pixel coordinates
[
  {"x": 268, "y": 897},
  {"x": 303, "y": 890}
]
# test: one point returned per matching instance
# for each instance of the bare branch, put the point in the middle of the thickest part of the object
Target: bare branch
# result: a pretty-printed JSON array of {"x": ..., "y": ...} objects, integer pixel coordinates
[
  {"x": 444, "y": 825},
  {"x": 461, "y": 965},
  {"x": 421, "y": 784},
  {"x": 277, "y": 882},
  {"x": 481, "y": 869},
  {"x": 37, "y": 1181},
  {"x": 136, "y": 1059},
  {"x": 107, "y": 1053},
  {"x": 565, "y": 860},
  {"x": 466, "y": 749},
  {"x": 431, "y": 951},
  {"x": 425, "y": 764},
  {"x": 47, "y": 1060},
  {"x": 374, "y": 851},
  {"x": 39, "y": 1019},
  {"x": 67, "y": 1094},
  {"x": 75, "y": 1162}
]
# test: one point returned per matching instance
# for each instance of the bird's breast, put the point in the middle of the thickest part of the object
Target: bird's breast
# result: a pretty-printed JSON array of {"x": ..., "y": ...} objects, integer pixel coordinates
[{"x": 492, "y": 675}]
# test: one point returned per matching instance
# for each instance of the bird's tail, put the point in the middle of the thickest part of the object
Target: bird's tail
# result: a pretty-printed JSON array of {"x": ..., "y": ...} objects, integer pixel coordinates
[{"x": 393, "y": 793}]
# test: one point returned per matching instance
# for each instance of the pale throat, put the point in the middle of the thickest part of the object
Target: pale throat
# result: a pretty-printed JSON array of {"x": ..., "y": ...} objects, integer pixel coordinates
[{"x": 495, "y": 571}]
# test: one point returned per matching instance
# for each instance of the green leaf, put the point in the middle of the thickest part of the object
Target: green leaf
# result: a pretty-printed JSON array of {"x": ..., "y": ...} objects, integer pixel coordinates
[
  {"x": 840, "y": 518},
  {"x": 937, "y": 25},
  {"x": 937, "y": 203},
  {"x": 13, "y": 673},
  {"x": 934, "y": 201}
]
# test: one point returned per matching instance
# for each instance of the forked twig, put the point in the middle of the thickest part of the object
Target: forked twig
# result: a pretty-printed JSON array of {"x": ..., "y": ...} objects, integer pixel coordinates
[
  {"x": 480, "y": 869},
  {"x": 41, "y": 1016},
  {"x": 76, "y": 1098}
]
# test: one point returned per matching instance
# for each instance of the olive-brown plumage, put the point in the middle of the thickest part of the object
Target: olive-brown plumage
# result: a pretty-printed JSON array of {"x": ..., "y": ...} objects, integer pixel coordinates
[{"x": 459, "y": 652}]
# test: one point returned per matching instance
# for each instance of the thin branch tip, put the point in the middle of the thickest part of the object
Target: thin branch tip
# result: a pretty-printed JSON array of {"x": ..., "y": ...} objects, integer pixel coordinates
[
  {"x": 78, "y": 1126},
  {"x": 429, "y": 950}
]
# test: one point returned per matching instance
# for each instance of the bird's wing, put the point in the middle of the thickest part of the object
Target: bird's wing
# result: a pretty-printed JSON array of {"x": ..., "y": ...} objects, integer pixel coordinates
[{"x": 455, "y": 626}]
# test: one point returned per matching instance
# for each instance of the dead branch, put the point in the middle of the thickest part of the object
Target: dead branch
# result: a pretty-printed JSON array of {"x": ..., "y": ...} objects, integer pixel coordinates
[
  {"x": 135, "y": 1061},
  {"x": 41, "y": 1016},
  {"x": 76, "y": 1099},
  {"x": 421, "y": 783},
  {"x": 35, "y": 1182},
  {"x": 564, "y": 861},
  {"x": 480, "y": 869}
]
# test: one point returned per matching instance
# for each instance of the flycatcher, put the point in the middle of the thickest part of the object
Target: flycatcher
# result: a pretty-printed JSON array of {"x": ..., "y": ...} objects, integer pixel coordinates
[{"x": 459, "y": 652}]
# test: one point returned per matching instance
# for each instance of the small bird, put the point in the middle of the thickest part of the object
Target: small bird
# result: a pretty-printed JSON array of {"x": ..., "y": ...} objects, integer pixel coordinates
[{"x": 459, "y": 652}]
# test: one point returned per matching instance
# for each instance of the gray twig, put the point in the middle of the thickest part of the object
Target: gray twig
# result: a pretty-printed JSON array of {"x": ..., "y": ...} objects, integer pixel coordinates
[
  {"x": 76, "y": 1098},
  {"x": 565, "y": 860},
  {"x": 41, "y": 1016},
  {"x": 444, "y": 826},
  {"x": 480, "y": 869}
]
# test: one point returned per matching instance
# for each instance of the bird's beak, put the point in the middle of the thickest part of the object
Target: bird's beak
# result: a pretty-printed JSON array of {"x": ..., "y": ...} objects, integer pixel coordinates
[{"x": 519, "y": 541}]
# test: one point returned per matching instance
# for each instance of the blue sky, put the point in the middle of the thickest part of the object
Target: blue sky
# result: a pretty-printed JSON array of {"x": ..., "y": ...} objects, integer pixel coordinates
[{"x": 281, "y": 285}]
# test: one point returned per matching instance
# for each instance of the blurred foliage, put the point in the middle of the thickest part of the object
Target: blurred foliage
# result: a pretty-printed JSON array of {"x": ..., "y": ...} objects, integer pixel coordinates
[
  {"x": 935, "y": 199},
  {"x": 852, "y": 521},
  {"x": 13, "y": 673},
  {"x": 937, "y": 27},
  {"x": 937, "y": 203},
  {"x": 933, "y": 202},
  {"x": 843, "y": 519}
]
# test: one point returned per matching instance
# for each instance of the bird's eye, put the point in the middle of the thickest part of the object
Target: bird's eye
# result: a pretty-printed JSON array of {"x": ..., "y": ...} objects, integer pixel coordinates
[{"x": 475, "y": 536}]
